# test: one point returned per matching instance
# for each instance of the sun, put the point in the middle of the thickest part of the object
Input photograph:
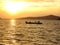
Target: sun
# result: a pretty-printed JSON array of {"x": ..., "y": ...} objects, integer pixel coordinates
[{"x": 13, "y": 7}]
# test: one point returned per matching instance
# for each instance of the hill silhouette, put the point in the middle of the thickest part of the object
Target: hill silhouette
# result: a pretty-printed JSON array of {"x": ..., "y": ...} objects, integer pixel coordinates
[
  {"x": 4, "y": 18},
  {"x": 49, "y": 17},
  {"x": 0, "y": 18}
]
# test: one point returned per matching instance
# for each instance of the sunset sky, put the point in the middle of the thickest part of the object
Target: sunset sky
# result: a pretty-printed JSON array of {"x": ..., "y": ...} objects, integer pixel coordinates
[{"x": 26, "y": 8}]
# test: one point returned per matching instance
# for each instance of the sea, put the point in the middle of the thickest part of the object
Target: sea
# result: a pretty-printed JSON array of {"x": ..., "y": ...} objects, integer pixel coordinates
[{"x": 17, "y": 32}]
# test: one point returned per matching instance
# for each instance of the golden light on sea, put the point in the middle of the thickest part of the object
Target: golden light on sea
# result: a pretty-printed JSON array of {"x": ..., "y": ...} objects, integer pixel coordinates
[{"x": 13, "y": 22}]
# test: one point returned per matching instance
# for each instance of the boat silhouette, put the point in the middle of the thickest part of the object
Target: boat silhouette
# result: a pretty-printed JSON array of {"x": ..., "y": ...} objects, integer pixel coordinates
[{"x": 33, "y": 22}]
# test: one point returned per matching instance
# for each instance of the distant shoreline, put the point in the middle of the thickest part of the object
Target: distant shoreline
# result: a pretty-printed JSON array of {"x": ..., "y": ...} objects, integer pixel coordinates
[{"x": 49, "y": 17}]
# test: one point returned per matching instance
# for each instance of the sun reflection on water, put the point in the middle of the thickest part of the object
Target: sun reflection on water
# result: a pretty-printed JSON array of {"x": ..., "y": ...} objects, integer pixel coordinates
[{"x": 13, "y": 22}]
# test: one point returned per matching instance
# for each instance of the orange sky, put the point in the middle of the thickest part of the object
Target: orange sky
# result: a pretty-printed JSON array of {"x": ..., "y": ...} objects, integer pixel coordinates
[{"x": 29, "y": 8}]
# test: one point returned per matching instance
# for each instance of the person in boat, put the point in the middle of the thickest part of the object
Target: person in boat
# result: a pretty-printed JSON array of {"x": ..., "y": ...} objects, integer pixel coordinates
[
  {"x": 33, "y": 22},
  {"x": 39, "y": 22}
]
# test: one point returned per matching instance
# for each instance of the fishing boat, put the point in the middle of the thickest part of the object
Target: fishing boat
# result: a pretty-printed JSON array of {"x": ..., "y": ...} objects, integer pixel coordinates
[{"x": 33, "y": 22}]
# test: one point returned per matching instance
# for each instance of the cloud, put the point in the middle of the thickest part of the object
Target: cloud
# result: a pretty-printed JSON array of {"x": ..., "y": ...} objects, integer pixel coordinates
[
  {"x": 41, "y": 3},
  {"x": 37, "y": 0}
]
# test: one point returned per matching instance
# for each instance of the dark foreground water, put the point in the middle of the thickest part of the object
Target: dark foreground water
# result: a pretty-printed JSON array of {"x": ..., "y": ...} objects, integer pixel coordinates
[{"x": 16, "y": 32}]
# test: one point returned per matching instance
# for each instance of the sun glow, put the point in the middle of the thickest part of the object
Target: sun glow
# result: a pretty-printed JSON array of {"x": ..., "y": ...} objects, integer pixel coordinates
[{"x": 13, "y": 7}]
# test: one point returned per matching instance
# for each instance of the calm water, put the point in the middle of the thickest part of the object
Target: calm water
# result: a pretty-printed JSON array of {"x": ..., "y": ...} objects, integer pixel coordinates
[{"x": 16, "y": 32}]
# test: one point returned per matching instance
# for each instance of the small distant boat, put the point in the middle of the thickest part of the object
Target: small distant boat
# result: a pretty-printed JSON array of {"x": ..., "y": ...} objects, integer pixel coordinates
[{"x": 33, "y": 22}]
